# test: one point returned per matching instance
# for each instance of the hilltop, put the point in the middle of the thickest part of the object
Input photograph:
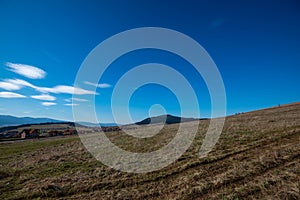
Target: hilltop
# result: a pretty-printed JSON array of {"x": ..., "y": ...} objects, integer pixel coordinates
[{"x": 165, "y": 119}]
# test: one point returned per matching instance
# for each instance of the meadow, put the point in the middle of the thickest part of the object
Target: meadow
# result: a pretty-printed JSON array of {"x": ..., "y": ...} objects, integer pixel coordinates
[{"x": 256, "y": 157}]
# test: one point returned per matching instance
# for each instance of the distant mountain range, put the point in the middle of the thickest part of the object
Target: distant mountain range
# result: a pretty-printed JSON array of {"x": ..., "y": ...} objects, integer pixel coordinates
[
  {"x": 7, "y": 120},
  {"x": 168, "y": 119}
]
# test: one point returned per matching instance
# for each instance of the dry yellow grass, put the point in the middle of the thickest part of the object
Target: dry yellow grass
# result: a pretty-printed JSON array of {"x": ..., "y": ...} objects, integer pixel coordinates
[{"x": 257, "y": 157}]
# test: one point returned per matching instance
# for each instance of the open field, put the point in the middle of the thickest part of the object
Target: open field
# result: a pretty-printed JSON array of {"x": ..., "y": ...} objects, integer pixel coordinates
[{"x": 257, "y": 157}]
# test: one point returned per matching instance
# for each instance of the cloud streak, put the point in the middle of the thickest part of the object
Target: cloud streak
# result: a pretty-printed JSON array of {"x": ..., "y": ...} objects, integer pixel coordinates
[
  {"x": 11, "y": 95},
  {"x": 26, "y": 70},
  {"x": 64, "y": 89},
  {"x": 101, "y": 85},
  {"x": 9, "y": 86},
  {"x": 48, "y": 103},
  {"x": 59, "y": 89},
  {"x": 45, "y": 97},
  {"x": 76, "y": 99},
  {"x": 71, "y": 104}
]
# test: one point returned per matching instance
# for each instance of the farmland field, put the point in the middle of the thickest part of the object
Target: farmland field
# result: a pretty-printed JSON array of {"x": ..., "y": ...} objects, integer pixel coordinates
[{"x": 256, "y": 157}]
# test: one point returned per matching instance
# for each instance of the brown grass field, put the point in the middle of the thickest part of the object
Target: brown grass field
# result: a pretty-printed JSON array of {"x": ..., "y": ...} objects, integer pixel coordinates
[{"x": 256, "y": 157}]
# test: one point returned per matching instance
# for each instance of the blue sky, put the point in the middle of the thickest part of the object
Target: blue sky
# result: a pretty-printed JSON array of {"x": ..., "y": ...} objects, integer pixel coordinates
[{"x": 255, "y": 45}]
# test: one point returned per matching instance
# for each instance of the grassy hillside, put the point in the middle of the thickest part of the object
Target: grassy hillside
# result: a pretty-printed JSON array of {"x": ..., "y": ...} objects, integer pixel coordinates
[{"x": 257, "y": 157}]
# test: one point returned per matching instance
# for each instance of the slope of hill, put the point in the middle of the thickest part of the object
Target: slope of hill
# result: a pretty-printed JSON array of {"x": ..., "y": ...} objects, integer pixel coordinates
[
  {"x": 256, "y": 157},
  {"x": 7, "y": 120}
]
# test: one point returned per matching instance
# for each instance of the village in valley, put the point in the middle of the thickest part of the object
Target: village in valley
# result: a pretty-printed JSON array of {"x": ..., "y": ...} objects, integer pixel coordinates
[
  {"x": 37, "y": 131},
  {"x": 43, "y": 130}
]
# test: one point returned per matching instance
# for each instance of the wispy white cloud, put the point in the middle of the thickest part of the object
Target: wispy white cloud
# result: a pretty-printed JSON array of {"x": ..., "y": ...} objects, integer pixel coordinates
[
  {"x": 71, "y": 104},
  {"x": 20, "y": 83},
  {"x": 11, "y": 95},
  {"x": 48, "y": 103},
  {"x": 68, "y": 100},
  {"x": 100, "y": 85},
  {"x": 65, "y": 89},
  {"x": 76, "y": 99},
  {"x": 26, "y": 70},
  {"x": 59, "y": 89},
  {"x": 45, "y": 97},
  {"x": 9, "y": 86}
]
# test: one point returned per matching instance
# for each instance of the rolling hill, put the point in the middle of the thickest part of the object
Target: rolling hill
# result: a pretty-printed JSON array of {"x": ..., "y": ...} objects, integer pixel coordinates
[
  {"x": 168, "y": 119},
  {"x": 8, "y": 120}
]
